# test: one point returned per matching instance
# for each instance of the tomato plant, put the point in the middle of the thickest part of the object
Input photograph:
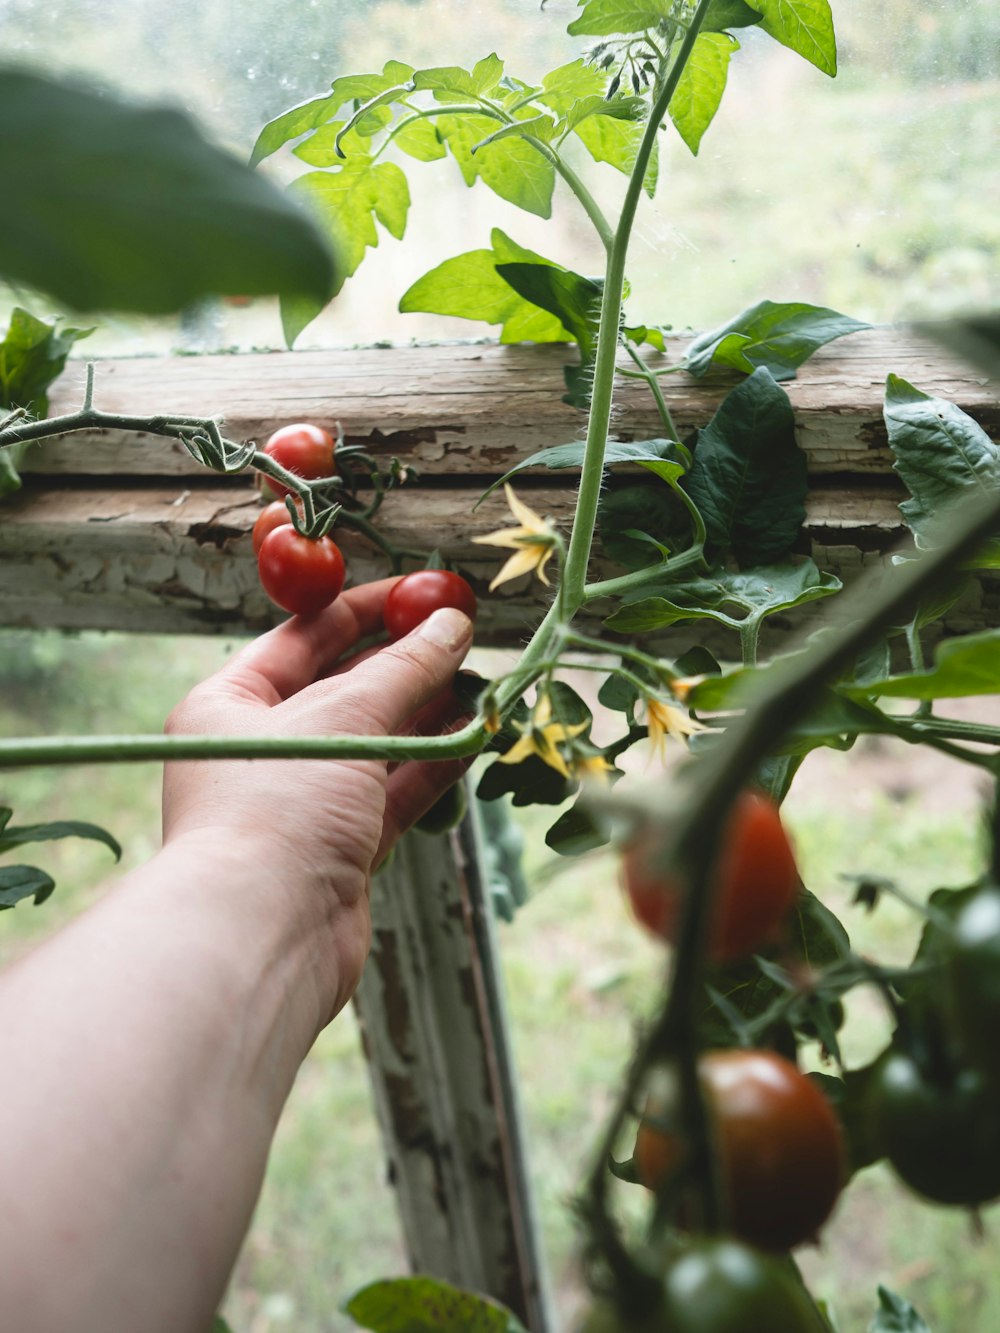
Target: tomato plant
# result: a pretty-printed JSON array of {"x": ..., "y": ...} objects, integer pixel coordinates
[
  {"x": 299, "y": 574},
  {"x": 756, "y": 881},
  {"x": 418, "y": 595},
  {"x": 940, "y": 1128},
  {"x": 304, "y": 449},
  {"x": 722, "y": 1286},
  {"x": 776, "y": 1139}
]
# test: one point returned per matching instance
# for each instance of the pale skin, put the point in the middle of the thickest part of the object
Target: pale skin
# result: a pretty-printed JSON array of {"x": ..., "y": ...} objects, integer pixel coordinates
[{"x": 148, "y": 1049}]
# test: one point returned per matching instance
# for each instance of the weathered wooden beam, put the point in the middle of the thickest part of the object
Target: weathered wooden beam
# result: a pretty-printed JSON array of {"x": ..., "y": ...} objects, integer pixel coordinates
[
  {"x": 462, "y": 410},
  {"x": 433, "y": 1028}
]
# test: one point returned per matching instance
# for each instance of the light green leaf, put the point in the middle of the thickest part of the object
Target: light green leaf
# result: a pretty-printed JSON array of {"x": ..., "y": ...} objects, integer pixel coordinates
[
  {"x": 540, "y": 127},
  {"x": 418, "y": 137},
  {"x": 562, "y": 88},
  {"x": 513, "y": 169},
  {"x": 940, "y": 452},
  {"x": 469, "y": 287},
  {"x": 451, "y": 83},
  {"x": 622, "y": 107},
  {"x": 701, "y": 85},
  {"x": 291, "y": 124},
  {"x": 778, "y": 335},
  {"x": 201, "y": 223},
  {"x": 604, "y": 18},
  {"x": 804, "y": 26},
  {"x": 963, "y": 667}
]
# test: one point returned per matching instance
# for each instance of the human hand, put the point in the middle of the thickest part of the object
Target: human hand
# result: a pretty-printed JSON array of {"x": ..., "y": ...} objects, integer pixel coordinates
[{"x": 324, "y": 824}]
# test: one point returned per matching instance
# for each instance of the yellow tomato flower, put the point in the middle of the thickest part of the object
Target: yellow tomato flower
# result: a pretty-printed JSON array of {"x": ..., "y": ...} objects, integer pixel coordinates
[
  {"x": 592, "y": 768},
  {"x": 542, "y": 737},
  {"x": 532, "y": 543},
  {"x": 665, "y": 721}
]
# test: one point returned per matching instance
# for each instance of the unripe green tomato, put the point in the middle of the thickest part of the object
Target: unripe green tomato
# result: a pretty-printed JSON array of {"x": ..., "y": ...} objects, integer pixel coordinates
[
  {"x": 941, "y": 1135},
  {"x": 723, "y": 1286},
  {"x": 974, "y": 978},
  {"x": 446, "y": 813}
]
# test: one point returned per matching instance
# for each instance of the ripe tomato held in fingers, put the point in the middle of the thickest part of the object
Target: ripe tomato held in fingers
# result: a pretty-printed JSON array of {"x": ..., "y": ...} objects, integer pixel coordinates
[
  {"x": 756, "y": 881},
  {"x": 304, "y": 449},
  {"x": 777, "y": 1144},
  {"x": 274, "y": 515},
  {"x": 298, "y": 574},
  {"x": 418, "y": 595}
]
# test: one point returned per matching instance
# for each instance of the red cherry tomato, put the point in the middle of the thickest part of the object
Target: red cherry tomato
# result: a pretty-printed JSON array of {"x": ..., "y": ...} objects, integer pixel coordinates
[
  {"x": 416, "y": 596},
  {"x": 756, "y": 881},
  {"x": 300, "y": 575},
  {"x": 777, "y": 1141},
  {"x": 304, "y": 449},
  {"x": 274, "y": 515}
]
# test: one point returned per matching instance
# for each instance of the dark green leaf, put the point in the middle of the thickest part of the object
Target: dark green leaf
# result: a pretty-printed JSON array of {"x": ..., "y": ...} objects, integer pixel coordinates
[
  {"x": 572, "y": 298},
  {"x": 963, "y": 667},
  {"x": 219, "y": 1325},
  {"x": 697, "y": 661},
  {"x": 122, "y": 207},
  {"x": 575, "y": 832},
  {"x": 748, "y": 477},
  {"x": 427, "y": 1305},
  {"x": 469, "y": 287},
  {"x": 604, "y": 18},
  {"x": 649, "y": 509},
  {"x": 975, "y": 338},
  {"x": 17, "y": 882},
  {"x": 618, "y": 694},
  {"x": 804, "y": 26},
  {"x": 894, "y": 1315},
  {"x": 851, "y": 1099},
  {"x": 701, "y": 85},
  {"x": 940, "y": 452},
  {"x": 32, "y": 354},
  {"x": 729, "y": 14},
  {"x": 658, "y": 456},
  {"x": 17, "y": 836},
  {"x": 532, "y": 781},
  {"x": 780, "y": 336}
]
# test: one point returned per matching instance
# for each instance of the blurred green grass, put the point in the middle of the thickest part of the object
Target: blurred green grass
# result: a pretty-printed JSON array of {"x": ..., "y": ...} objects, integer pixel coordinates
[{"x": 575, "y": 967}]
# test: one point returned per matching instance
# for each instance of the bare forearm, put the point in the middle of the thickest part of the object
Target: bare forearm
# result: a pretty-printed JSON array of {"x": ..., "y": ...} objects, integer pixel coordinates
[{"x": 160, "y": 1036}]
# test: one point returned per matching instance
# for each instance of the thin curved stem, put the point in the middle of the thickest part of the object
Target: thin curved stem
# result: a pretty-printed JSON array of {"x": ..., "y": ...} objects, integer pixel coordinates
[{"x": 644, "y": 373}]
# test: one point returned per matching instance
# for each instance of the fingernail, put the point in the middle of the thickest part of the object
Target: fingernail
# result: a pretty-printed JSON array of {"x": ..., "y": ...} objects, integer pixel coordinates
[{"x": 447, "y": 627}]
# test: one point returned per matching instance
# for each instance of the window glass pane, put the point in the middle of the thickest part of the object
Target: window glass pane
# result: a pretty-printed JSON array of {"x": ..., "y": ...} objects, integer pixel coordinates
[{"x": 876, "y": 192}]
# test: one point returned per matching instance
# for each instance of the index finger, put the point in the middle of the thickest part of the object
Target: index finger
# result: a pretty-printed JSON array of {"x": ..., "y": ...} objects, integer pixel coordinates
[{"x": 305, "y": 648}]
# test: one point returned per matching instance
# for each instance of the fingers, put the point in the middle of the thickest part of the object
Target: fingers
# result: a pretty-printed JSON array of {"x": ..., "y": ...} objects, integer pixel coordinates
[
  {"x": 384, "y": 692},
  {"x": 303, "y": 649}
]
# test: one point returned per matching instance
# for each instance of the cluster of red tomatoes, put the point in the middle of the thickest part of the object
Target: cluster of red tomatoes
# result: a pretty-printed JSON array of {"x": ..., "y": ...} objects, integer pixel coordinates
[
  {"x": 303, "y": 574},
  {"x": 776, "y": 1142}
]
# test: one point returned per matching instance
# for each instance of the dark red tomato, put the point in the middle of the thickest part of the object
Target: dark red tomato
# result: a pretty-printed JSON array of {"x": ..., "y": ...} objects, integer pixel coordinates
[
  {"x": 717, "y": 1285},
  {"x": 942, "y": 1134},
  {"x": 300, "y": 575},
  {"x": 274, "y": 515},
  {"x": 303, "y": 449},
  {"x": 416, "y": 596},
  {"x": 756, "y": 883},
  {"x": 777, "y": 1141}
]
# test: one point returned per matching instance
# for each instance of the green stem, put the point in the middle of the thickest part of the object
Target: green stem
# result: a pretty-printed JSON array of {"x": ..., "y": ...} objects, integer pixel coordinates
[
  {"x": 644, "y": 373},
  {"x": 638, "y": 578},
  {"x": 749, "y": 638},
  {"x": 589, "y": 493},
  {"x": 589, "y": 204}
]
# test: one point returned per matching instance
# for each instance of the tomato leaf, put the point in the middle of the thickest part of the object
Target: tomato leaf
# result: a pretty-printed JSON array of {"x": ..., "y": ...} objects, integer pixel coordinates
[
  {"x": 894, "y": 1315},
  {"x": 18, "y": 882},
  {"x": 605, "y": 18},
  {"x": 576, "y": 832},
  {"x": 804, "y": 26},
  {"x": 512, "y": 168},
  {"x": 963, "y": 667},
  {"x": 572, "y": 298},
  {"x": 427, "y": 1305},
  {"x": 780, "y": 336},
  {"x": 701, "y": 85},
  {"x": 748, "y": 477},
  {"x": 940, "y": 452},
  {"x": 532, "y": 781},
  {"x": 657, "y": 456},
  {"x": 616, "y": 142},
  {"x": 564, "y": 88},
  {"x": 17, "y": 836},
  {"x": 202, "y": 222},
  {"x": 724, "y": 14},
  {"x": 469, "y": 287}
]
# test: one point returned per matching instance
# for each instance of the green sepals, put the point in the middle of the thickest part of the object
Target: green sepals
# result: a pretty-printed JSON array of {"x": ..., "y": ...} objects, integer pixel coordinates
[
  {"x": 728, "y": 597},
  {"x": 724, "y": 14},
  {"x": 895, "y": 1315},
  {"x": 427, "y": 1305},
  {"x": 512, "y": 168},
  {"x": 469, "y": 287},
  {"x": 202, "y": 224},
  {"x": 701, "y": 85},
  {"x": 804, "y": 26},
  {"x": 963, "y": 667},
  {"x": 749, "y": 476},
  {"x": 940, "y": 452},
  {"x": 779, "y": 335},
  {"x": 607, "y": 18},
  {"x": 661, "y": 457}
]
